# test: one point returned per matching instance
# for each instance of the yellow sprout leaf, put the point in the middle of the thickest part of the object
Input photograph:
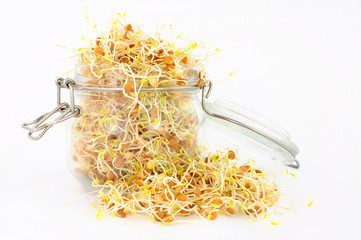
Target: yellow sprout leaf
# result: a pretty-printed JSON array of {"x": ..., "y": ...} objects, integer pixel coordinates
[
  {"x": 274, "y": 223},
  {"x": 153, "y": 42},
  {"x": 243, "y": 206},
  {"x": 231, "y": 75},
  {"x": 108, "y": 181},
  {"x": 231, "y": 179},
  {"x": 262, "y": 175},
  {"x": 94, "y": 182},
  {"x": 192, "y": 46},
  {"x": 223, "y": 212},
  {"x": 99, "y": 215},
  {"x": 85, "y": 13},
  {"x": 310, "y": 203},
  {"x": 156, "y": 120},
  {"x": 216, "y": 205}
]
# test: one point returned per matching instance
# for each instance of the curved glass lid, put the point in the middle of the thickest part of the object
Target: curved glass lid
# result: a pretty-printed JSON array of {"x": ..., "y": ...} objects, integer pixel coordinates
[{"x": 264, "y": 135}]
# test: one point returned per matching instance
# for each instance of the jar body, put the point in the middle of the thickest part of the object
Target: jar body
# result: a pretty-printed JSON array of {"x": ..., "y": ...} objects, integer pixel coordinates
[{"x": 121, "y": 133}]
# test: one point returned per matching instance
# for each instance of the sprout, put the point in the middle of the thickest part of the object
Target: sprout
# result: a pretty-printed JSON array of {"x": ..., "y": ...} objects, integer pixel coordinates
[{"x": 140, "y": 149}]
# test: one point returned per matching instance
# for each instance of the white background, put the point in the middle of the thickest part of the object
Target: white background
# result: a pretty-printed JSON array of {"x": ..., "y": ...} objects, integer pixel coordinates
[{"x": 296, "y": 62}]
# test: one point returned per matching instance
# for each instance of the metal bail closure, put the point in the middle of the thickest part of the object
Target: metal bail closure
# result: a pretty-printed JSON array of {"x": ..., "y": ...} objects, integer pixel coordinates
[
  {"x": 278, "y": 142},
  {"x": 38, "y": 127}
]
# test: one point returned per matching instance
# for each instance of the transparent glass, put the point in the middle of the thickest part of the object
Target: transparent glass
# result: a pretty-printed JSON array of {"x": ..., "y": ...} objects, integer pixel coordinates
[
  {"x": 256, "y": 141},
  {"x": 119, "y": 131}
]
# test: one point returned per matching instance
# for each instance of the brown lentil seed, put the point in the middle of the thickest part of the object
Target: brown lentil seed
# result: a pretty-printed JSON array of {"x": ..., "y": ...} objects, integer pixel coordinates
[
  {"x": 97, "y": 41},
  {"x": 121, "y": 213},
  {"x": 218, "y": 202},
  {"x": 212, "y": 215},
  {"x": 231, "y": 211},
  {"x": 169, "y": 218},
  {"x": 128, "y": 27},
  {"x": 181, "y": 197},
  {"x": 128, "y": 87},
  {"x": 231, "y": 155},
  {"x": 139, "y": 182},
  {"x": 149, "y": 165},
  {"x": 245, "y": 168},
  {"x": 168, "y": 60},
  {"x": 185, "y": 60},
  {"x": 196, "y": 191},
  {"x": 170, "y": 67},
  {"x": 138, "y": 175},
  {"x": 119, "y": 162},
  {"x": 173, "y": 143},
  {"x": 258, "y": 171},
  {"x": 110, "y": 175},
  {"x": 128, "y": 155},
  {"x": 159, "y": 215}
]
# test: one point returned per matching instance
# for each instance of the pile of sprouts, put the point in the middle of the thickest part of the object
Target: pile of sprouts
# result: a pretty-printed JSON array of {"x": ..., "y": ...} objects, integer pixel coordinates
[{"x": 139, "y": 146}]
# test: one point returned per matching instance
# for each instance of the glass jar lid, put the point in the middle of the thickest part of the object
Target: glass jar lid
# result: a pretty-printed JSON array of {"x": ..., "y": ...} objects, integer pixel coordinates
[{"x": 262, "y": 134}]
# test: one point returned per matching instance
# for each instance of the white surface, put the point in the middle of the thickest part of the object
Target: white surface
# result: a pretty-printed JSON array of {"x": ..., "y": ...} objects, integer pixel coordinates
[{"x": 296, "y": 62}]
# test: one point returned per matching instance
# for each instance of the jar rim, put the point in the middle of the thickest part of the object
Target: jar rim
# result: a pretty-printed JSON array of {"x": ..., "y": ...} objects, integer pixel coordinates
[{"x": 78, "y": 87}]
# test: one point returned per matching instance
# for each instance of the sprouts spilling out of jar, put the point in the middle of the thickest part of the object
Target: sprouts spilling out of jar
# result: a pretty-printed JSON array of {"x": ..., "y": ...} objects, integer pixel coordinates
[{"x": 140, "y": 148}]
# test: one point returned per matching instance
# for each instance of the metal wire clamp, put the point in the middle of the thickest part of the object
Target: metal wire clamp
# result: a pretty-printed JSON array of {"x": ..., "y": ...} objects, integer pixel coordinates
[{"x": 38, "y": 127}]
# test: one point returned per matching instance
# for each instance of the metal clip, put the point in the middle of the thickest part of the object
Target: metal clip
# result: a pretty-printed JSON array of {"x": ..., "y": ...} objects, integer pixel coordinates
[
  {"x": 66, "y": 111},
  {"x": 295, "y": 163}
]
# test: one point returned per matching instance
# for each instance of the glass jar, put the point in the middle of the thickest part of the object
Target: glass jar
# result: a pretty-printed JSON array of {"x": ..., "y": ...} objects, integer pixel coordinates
[
  {"x": 116, "y": 131},
  {"x": 116, "y": 134}
]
